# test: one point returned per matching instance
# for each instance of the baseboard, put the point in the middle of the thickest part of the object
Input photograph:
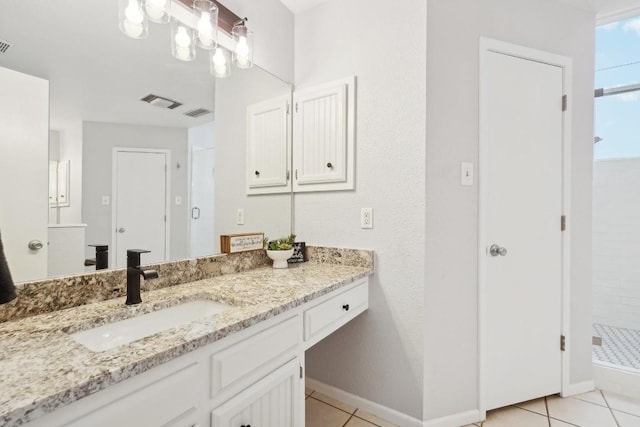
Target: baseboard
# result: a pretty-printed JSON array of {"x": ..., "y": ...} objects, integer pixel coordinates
[
  {"x": 455, "y": 420},
  {"x": 578, "y": 388},
  {"x": 610, "y": 378},
  {"x": 376, "y": 409}
]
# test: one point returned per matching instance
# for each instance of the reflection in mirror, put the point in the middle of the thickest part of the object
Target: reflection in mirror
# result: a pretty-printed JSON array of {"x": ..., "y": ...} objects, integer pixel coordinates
[{"x": 165, "y": 173}]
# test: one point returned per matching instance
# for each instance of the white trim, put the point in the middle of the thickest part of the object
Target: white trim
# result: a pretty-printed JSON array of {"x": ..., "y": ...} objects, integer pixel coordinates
[
  {"x": 578, "y": 388},
  {"x": 460, "y": 419},
  {"x": 114, "y": 193},
  {"x": 490, "y": 45},
  {"x": 376, "y": 409},
  {"x": 609, "y": 17},
  {"x": 616, "y": 380}
]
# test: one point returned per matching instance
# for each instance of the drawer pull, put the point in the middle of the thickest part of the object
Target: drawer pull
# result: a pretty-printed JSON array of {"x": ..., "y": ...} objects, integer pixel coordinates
[
  {"x": 345, "y": 307},
  {"x": 248, "y": 425}
]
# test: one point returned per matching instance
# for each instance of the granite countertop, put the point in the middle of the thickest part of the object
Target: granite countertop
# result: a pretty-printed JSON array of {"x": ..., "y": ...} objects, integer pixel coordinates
[{"x": 43, "y": 368}]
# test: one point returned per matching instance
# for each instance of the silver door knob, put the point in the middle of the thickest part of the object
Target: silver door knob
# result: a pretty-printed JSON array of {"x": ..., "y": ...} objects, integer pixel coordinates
[
  {"x": 121, "y": 230},
  {"x": 35, "y": 245},
  {"x": 496, "y": 250}
]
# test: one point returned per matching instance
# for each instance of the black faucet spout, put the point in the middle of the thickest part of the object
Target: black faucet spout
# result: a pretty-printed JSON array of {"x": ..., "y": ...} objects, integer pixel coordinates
[{"x": 134, "y": 271}]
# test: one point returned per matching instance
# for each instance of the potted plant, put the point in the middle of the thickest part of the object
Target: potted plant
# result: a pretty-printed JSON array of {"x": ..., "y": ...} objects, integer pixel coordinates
[{"x": 280, "y": 250}]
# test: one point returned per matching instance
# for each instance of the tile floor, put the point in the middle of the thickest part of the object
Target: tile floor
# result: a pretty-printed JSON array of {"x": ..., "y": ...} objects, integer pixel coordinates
[
  {"x": 593, "y": 409},
  {"x": 323, "y": 411},
  {"x": 620, "y": 346}
]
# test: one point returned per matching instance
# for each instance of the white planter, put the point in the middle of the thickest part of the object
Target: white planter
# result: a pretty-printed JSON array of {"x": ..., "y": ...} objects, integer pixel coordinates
[{"x": 280, "y": 257}]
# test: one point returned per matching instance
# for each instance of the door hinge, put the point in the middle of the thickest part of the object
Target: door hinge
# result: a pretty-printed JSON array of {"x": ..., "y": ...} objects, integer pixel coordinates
[
  {"x": 165, "y": 218},
  {"x": 562, "y": 343},
  {"x": 288, "y": 108},
  {"x": 564, "y": 102},
  {"x": 296, "y": 174},
  {"x": 301, "y": 371},
  {"x": 296, "y": 107},
  {"x": 563, "y": 222},
  {"x": 288, "y": 175}
]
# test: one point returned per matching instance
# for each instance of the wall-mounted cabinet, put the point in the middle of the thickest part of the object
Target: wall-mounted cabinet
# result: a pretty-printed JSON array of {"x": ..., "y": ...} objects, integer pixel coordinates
[
  {"x": 317, "y": 141},
  {"x": 324, "y": 137},
  {"x": 268, "y": 146}
]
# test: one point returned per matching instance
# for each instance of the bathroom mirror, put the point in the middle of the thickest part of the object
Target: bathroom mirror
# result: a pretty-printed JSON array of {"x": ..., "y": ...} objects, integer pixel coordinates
[{"x": 109, "y": 140}]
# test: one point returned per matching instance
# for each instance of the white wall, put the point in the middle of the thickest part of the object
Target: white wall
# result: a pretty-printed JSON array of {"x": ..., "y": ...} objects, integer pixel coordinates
[
  {"x": 269, "y": 213},
  {"x": 616, "y": 242},
  {"x": 378, "y": 356},
  {"x": 453, "y": 30},
  {"x": 99, "y": 140}
]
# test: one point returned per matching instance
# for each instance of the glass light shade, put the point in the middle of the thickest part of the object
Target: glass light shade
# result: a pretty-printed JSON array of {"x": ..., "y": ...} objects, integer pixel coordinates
[
  {"x": 206, "y": 16},
  {"x": 183, "y": 44},
  {"x": 220, "y": 62},
  {"x": 157, "y": 10},
  {"x": 133, "y": 21},
  {"x": 243, "y": 51}
]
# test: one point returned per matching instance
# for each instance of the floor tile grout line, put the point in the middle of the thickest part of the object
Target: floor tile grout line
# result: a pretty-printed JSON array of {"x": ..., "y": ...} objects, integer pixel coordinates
[
  {"x": 529, "y": 410},
  {"x": 347, "y": 422},
  {"x": 563, "y": 421},
  {"x": 546, "y": 407},
  {"x": 335, "y": 407},
  {"x": 355, "y": 414},
  {"x": 610, "y": 409}
]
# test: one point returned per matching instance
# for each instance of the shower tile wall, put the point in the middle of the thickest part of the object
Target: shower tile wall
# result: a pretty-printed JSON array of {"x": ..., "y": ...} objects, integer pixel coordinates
[{"x": 616, "y": 243}]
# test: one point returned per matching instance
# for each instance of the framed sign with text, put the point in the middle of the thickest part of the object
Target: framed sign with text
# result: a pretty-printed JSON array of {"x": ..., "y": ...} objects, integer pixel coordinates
[{"x": 233, "y": 243}]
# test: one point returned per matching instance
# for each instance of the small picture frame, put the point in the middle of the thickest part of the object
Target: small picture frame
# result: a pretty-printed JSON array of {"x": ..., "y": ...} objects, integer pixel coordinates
[
  {"x": 234, "y": 243},
  {"x": 299, "y": 253}
]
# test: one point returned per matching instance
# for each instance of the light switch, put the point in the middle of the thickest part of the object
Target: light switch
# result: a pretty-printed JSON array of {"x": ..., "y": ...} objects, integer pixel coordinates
[{"x": 466, "y": 173}]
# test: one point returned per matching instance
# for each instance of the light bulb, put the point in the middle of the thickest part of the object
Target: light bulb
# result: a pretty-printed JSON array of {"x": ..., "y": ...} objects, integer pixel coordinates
[
  {"x": 205, "y": 30},
  {"x": 183, "y": 53},
  {"x": 242, "y": 52},
  {"x": 219, "y": 63},
  {"x": 132, "y": 29},
  {"x": 218, "y": 58},
  {"x": 156, "y": 9},
  {"x": 132, "y": 12},
  {"x": 182, "y": 38}
]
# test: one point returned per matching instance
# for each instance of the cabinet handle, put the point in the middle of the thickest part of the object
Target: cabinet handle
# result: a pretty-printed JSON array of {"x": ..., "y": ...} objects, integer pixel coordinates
[
  {"x": 345, "y": 307},
  {"x": 329, "y": 165},
  {"x": 257, "y": 173},
  {"x": 248, "y": 425}
]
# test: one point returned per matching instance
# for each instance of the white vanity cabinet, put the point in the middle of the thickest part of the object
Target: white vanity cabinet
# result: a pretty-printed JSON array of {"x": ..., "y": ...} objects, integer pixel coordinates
[
  {"x": 324, "y": 137},
  {"x": 268, "y": 146},
  {"x": 253, "y": 377}
]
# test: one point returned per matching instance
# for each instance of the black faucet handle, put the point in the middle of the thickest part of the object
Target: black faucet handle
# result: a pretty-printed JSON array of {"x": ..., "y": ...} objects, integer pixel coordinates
[
  {"x": 100, "y": 248},
  {"x": 133, "y": 257},
  {"x": 137, "y": 251}
]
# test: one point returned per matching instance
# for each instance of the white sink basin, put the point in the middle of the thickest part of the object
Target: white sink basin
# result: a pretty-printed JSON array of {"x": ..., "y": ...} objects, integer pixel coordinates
[{"x": 115, "y": 334}]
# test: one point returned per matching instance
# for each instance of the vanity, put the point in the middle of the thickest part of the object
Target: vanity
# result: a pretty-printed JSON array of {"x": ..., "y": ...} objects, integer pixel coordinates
[{"x": 242, "y": 366}]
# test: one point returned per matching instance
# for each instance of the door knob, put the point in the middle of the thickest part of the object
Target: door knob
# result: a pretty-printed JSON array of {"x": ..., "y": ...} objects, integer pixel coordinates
[
  {"x": 496, "y": 250},
  {"x": 35, "y": 245},
  {"x": 121, "y": 230}
]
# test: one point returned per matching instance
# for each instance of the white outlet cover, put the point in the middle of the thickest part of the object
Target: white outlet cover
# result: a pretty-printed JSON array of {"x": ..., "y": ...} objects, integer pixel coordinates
[
  {"x": 240, "y": 217},
  {"x": 366, "y": 218}
]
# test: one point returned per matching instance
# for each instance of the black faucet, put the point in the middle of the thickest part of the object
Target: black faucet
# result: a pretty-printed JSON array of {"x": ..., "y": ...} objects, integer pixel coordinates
[
  {"x": 134, "y": 271},
  {"x": 101, "y": 261}
]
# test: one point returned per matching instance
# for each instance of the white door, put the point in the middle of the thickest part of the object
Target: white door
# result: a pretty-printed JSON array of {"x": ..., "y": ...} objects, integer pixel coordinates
[
  {"x": 24, "y": 172},
  {"x": 202, "y": 202},
  {"x": 522, "y": 204},
  {"x": 140, "y": 208}
]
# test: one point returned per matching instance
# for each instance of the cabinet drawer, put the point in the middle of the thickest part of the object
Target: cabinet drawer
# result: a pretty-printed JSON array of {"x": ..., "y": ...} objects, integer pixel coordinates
[
  {"x": 243, "y": 363},
  {"x": 328, "y": 316}
]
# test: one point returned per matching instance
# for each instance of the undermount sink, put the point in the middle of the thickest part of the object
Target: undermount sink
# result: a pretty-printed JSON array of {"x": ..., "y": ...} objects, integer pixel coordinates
[{"x": 122, "y": 332}]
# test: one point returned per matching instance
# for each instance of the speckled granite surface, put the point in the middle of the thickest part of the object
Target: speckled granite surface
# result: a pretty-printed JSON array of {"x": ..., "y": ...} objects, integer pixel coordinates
[{"x": 43, "y": 368}]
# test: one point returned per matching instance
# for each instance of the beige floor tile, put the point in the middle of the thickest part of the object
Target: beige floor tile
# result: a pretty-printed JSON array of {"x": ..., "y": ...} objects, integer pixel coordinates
[
  {"x": 333, "y": 402},
  {"x": 593, "y": 397},
  {"x": 575, "y": 411},
  {"x": 557, "y": 423},
  {"x": 512, "y": 416},
  {"x": 537, "y": 405},
  {"x": 358, "y": 422},
  {"x": 319, "y": 414},
  {"x": 623, "y": 403},
  {"x": 373, "y": 419},
  {"x": 307, "y": 391},
  {"x": 627, "y": 420}
]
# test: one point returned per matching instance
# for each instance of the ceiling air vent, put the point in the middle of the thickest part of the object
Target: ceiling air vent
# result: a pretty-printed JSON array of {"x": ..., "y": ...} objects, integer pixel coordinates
[
  {"x": 161, "y": 102},
  {"x": 197, "y": 112},
  {"x": 4, "y": 46}
]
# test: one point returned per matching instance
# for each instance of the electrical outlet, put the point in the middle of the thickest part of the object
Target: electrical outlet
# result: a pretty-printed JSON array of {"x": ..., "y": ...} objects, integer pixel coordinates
[
  {"x": 240, "y": 217},
  {"x": 366, "y": 218}
]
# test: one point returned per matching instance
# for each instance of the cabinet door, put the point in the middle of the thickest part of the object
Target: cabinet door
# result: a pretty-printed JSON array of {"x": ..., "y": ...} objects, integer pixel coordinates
[
  {"x": 268, "y": 146},
  {"x": 271, "y": 402},
  {"x": 324, "y": 137}
]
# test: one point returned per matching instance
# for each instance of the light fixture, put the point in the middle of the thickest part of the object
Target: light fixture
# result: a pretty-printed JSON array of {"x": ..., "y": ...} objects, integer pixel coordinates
[
  {"x": 243, "y": 40},
  {"x": 220, "y": 62},
  {"x": 133, "y": 22},
  {"x": 193, "y": 22},
  {"x": 157, "y": 10},
  {"x": 206, "y": 15},
  {"x": 183, "y": 45}
]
